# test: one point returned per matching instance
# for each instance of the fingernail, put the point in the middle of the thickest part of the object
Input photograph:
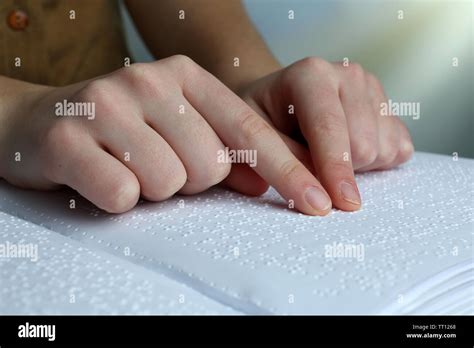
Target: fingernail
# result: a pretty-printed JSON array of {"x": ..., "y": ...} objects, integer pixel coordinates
[
  {"x": 317, "y": 199},
  {"x": 349, "y": 193}
]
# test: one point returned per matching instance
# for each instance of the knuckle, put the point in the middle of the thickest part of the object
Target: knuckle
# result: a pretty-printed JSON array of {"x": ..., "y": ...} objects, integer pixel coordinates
[
  {"x": 406, "y": 150},
  {"x": 145, "y": 80},
  {"x": 313, "y": 64},
  {"x": 183, "y": 60},
  {"x": 299, "y": 74},
  {"x": 98, "y": 91},
  {"x": 388, "y": 154},
  {"x": 184, "y": 63},
  {"x": 309, "y": 65},
  {"x": 374, "y": 83},
  {"x": 364, "y": 152},
  {"x": 356, "y": 71},
  {"x": 253, "y": 126},
  {"x": 171, "y": 181},
  {"x": 138, "y": 70},
  {"x": 123, "y": 195},
  {"x": 103, "y": 95},
  {"x": 328, "y": 125},
  {"x": 289, "y": 170},
  {"x": 182, "y": 69},
  {"x": 210, "y": 174}
]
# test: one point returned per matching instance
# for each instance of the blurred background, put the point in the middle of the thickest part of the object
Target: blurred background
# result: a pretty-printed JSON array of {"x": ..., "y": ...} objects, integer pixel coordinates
[{"x": 422, "y": 51}]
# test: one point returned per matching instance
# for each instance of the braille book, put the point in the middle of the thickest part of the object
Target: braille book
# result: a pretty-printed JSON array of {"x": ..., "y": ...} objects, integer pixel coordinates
[{"x": 408, "y": 251}]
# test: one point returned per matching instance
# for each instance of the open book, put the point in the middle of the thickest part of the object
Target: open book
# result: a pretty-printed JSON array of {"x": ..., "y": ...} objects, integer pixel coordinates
[{"x": 409, "y": 250}]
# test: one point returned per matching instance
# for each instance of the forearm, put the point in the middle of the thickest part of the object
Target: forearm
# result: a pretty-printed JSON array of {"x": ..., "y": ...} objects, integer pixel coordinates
[{"x": 213, "y": 32}]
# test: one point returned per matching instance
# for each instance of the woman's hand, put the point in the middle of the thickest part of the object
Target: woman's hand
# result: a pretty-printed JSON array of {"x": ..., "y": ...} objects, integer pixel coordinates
[{"x": 335, "y": 110}]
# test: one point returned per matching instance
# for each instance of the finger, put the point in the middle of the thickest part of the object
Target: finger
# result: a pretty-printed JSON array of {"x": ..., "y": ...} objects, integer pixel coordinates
[
  {"x": 245, "y": 180},
  {"x": 300, "y": 151},
  {"x": 406, "y": 149},
  {"x": 241, "y": 128},
  {"x": 96, "y": 175},
  {"x": 278, "y": 111},
  {"x": 157, "y": 167},
  {"x": 193, "y": 140},
  {"x": 323, "y": 124},
  {"x": 389, "y": 139},
  {"x": 360, "y": 115},
  {"x": 388, "y": 128},
  {"x": 242, "y": 178}
]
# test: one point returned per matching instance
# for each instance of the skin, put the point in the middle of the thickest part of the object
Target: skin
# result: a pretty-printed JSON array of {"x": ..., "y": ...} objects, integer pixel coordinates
[
  {"x": 214, "y": 46},
  {"x": 336, "y": 113},
  {"x": 372, "y": 141},
  {"x": 336, "y": 128}
]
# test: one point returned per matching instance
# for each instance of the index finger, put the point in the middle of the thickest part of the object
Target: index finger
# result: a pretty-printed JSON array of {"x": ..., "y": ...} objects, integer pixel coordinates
[
  {"x": 240, "y": 128},
  {"x": 324, "y": 126}
]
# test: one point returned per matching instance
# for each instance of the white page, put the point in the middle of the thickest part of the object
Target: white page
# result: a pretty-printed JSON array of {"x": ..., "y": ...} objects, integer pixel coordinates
[
  {"x": 416, "y": 221},
  {"x": 64, "y": 277}
]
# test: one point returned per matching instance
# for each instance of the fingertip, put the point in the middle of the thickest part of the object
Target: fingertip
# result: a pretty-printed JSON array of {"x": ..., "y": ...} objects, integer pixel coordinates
[
  {"x": 348, "y": 196},
  {"x": 317, "y": 201}
]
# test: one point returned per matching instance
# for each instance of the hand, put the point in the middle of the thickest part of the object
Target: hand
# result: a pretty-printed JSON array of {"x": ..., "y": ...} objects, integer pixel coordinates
[
  {"x": 336, "y": 111},
  {"x": 152, "y": 129}
]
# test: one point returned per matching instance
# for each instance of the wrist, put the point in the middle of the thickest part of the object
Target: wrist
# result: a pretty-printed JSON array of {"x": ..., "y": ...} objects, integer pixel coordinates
[
  {"x": 16, "y": 96},
  {"x": 17, "y": 99}
]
